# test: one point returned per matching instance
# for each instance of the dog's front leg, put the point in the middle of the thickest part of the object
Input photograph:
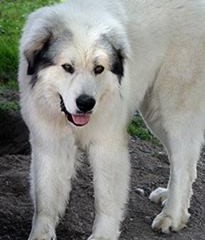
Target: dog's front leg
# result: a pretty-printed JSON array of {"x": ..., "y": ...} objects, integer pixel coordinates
[
  {"x": 111, "y": 167},
  {"x": 51, "y": 171}
]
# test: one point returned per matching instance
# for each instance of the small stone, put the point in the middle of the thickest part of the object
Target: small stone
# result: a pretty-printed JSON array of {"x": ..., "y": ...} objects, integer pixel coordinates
[{"x": 140, "y": 191}]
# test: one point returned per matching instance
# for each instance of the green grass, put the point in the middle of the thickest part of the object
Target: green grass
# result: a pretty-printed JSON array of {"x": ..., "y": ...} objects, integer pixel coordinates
[
  {"x": 10, "y": 85},
  {"x": 6, "y": 106},
  {"x": 13, "y": 14},
  {"x": 137, "y": 128}
]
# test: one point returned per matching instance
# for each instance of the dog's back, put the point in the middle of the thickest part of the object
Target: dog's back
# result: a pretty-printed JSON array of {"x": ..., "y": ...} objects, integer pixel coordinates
[{"x": 167, "y": 56}]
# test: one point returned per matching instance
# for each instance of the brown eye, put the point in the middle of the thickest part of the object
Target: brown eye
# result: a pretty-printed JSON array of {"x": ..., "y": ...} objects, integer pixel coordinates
[
  {"x": 98, "y": 69},
  {"x": 68, "y": 68}
]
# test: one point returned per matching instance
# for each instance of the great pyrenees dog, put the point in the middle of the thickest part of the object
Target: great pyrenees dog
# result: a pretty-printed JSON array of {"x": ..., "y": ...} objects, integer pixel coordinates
[{"x": 85, "y": 67}]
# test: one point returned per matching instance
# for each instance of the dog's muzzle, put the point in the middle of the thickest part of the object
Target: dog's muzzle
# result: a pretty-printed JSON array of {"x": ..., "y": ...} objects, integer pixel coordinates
[{"x": 85, "y": 105}]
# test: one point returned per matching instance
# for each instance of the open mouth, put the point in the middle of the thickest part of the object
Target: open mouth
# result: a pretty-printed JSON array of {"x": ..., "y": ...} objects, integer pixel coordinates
[{"x": 78, "y": 120}]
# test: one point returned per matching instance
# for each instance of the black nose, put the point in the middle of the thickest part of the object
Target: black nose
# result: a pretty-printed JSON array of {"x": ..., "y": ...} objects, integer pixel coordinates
[{"x": 85, "y": 103}]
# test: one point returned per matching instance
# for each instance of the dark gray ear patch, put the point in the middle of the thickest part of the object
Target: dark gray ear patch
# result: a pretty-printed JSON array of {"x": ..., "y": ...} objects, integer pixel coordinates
[
  {"x": 39, "y": 59},
  {"x": 117, "y": 51},
  {"x": 118, "y": 63}
]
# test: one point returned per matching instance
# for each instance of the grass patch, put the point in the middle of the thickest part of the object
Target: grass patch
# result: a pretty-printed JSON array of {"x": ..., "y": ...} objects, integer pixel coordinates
[
  {"x": 12, "y": 18},
  {"x": 9, "y": 106},
  {"x": 13, "y": 14},
  {"x": 10, "y": 85},
  {"x": 137, "y": 128}
]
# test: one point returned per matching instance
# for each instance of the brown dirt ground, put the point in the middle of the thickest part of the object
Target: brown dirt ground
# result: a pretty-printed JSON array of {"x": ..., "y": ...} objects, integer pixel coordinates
[{"x": 150, "y": 169}]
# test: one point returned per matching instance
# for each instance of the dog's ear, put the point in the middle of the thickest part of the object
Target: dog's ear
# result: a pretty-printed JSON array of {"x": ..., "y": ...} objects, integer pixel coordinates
[
  {"x": 118, "y": 59},
  {"x": 36, "y": 49},
  {"x": 119, "y": 51}
]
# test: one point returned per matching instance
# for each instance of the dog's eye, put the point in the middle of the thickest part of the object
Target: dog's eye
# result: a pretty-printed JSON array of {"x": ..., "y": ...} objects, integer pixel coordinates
[
  {"x": 68, "y": 68},
  {"x": 98, "y": 69}
]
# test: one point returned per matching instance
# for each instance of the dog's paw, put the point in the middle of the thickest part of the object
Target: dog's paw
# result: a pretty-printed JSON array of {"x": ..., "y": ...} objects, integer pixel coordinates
[
  {"x": 159, "y": 195},
  {"x": 105, "y": 228},
  {"x": 42, "y": 230},
  {"x": 45, "y": 236},
  {"x": 166, "y": 223},
  {"x": 102, "y": 237},
  {"x": 92, "y": 238},
  {"x": 42, "y": 237},
  {"x": 98, "y": 238}
]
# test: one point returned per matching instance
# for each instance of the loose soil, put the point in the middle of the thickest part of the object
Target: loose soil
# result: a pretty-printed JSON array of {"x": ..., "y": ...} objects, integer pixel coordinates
[{"x": 150, "y": 169}]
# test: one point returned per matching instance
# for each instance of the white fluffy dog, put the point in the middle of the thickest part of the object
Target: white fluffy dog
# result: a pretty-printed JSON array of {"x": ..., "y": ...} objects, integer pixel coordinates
[{"x": 85, "y": 67}]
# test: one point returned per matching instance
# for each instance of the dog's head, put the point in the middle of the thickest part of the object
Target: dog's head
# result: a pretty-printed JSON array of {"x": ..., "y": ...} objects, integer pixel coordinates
[{"x": 73, "y": 62}]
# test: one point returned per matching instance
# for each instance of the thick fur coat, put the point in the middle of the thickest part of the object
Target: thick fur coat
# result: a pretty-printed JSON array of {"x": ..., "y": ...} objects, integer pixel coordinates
[{"x": 85, "y": 67}]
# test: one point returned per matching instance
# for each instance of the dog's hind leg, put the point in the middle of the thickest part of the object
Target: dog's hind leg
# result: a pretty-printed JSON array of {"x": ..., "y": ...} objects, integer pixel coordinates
[
  {"x": 51, "y": 171},
  {"x": 183, "y": 149},
  {"x": 110, "y": 162}
]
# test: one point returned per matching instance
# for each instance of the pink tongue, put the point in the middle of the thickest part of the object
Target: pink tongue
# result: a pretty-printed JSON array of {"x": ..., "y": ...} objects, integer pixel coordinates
[{"x": 80, "y": 120}]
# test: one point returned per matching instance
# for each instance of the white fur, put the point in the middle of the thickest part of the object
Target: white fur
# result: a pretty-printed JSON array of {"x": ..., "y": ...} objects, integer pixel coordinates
[{"x": 163, "y": 45}]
